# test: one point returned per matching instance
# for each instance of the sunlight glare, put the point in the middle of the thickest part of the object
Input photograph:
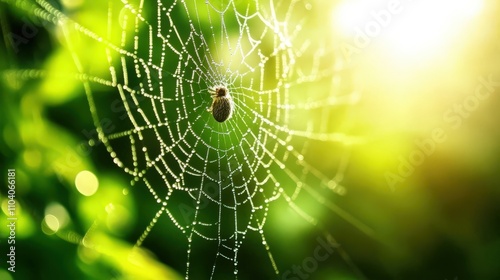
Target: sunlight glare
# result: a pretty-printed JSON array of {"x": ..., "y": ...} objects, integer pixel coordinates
[
  {"x": 427, "y": 26},
  {"x": 404, "y": 27}
]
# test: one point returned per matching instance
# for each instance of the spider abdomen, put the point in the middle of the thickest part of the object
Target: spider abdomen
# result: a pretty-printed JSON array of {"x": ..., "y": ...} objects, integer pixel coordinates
[
  {"x": 222, "y": 108},
  {"x": 222, "y": 104}
]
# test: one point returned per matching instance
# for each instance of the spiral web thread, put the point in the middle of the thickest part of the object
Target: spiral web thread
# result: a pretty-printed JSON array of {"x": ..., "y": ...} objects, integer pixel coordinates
[{"x": 215, "y": 181}]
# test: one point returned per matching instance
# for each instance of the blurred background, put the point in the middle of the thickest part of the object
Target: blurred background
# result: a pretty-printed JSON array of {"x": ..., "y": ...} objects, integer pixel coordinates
[{"x": 425, "y": 179}]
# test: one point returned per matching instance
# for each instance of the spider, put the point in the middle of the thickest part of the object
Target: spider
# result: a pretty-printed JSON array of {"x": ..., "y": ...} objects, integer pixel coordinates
[{"x": 222, "y": 104}]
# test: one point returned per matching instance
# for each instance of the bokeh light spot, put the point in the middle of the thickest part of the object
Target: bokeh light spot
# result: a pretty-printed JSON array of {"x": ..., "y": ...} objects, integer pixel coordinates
[
  {"x": 59, "y": 212},
  {"x": 50, "y": 224},
  {"x": 86, "y": 183}
]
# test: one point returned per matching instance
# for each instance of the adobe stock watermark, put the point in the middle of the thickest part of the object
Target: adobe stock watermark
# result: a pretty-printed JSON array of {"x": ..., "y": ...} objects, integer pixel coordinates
[
  {"x": 364, "y": 36},
  {"x": 28, "y": 31},
  {"x": 453, "y": 118},
  {"x": 309, "y": 265},
  {"x": 11, "y": 219}
]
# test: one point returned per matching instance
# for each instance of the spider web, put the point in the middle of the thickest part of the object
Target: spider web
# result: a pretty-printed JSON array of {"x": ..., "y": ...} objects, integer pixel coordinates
[{"x": 216, "y": 182}]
